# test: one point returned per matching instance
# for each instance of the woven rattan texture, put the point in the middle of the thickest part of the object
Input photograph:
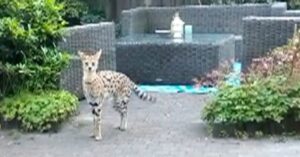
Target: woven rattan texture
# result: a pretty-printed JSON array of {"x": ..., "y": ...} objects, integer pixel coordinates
[
  {"x": 262, "y": 34},
  {"x": 213, "y": 19},
  {"x": 205, "y": 19},
  {"x": 171, "y": 63},
  {"x": 134, "y": 21}
]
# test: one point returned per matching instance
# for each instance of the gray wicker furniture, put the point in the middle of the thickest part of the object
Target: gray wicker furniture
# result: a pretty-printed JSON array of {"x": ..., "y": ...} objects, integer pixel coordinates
[
  {"x": 261, "y": 34},
  {"x": 87, "y": 37},
  {"x": 153, "y": 59},
  {"x": 205, "y": 19},
  {"x": 253, "y": 37}
]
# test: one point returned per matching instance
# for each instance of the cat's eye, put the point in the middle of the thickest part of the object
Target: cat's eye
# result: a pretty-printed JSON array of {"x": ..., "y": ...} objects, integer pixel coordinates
[
  {"x": 86, "y": 63},
  {"x": 93, "y": 64}
]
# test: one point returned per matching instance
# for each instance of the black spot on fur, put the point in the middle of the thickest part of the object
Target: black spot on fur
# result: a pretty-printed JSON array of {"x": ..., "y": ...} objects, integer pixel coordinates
[
  {"x": 95, "y": 113},
  {"x": 94, "y": 104}
]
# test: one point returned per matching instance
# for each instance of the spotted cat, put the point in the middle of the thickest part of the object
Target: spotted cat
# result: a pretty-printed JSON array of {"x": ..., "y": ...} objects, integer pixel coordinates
[{"x": 98, "y": 86}]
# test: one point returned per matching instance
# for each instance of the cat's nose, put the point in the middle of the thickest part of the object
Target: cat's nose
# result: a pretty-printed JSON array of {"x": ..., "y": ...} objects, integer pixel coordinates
[{"x": 90, "y": 68}]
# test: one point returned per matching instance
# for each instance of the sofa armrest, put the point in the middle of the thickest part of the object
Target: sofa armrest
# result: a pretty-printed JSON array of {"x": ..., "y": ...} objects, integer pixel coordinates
[
  {"x": 292, "y": 13},
  {"x": 262, "y": 34},
  {"x": 133, "y": 21}
]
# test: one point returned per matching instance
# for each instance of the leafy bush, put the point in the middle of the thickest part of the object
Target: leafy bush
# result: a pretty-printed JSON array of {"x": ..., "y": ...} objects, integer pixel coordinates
[
  {"x": 30, "y": 61},
  {"x": 270, "y": 92},
  {"x": 44, "y": 75},
  {"x": 38, "y": 111},
  {"x": 29, "y": 30},
  {"x": 74, "y": 10},
  {"x": 78, "y": 12},
  {"x": 257, "y": 102},
  {"x": 93, "y": 17},
  {"x": 293, "y": 4},
  {"x": 28, "y": 25}
]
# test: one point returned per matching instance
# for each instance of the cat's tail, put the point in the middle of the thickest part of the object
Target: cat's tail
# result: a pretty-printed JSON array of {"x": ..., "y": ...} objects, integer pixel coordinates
[{"x": 142, "y": 95}]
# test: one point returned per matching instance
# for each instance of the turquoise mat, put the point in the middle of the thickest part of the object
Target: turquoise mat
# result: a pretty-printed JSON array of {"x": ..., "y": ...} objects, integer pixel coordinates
[
  {"x": 232, "y": 79},
  {"x": 176, "y": 89}
]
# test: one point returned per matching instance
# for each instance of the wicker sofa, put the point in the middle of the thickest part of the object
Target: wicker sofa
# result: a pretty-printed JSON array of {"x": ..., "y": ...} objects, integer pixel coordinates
[
  {"x": 205, "y": 19},
  {"x": 257, "y": 28},
  {"x": 153, "y": 59},
  {"x": 261, "y": 34},
  {"x": 87, "y": 37}
]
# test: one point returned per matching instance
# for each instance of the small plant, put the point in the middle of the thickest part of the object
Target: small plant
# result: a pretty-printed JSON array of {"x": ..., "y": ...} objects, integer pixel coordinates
[
  {"x": 38, "y": 111},
  {"x": 215, "y": 77}
]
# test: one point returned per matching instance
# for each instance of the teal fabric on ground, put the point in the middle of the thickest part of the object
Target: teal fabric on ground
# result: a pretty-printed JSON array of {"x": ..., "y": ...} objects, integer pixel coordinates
[
  {"x": 176, "y": 89},
  {"x": 233, "y": 79}
]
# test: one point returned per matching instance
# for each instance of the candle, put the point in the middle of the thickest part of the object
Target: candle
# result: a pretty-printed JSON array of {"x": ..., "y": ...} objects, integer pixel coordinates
[{"x": 188, "y": 31}]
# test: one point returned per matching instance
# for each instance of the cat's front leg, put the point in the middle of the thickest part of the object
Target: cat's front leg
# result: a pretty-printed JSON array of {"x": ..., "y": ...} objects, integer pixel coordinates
[
  {"x": 94, "y": 128},
  {"x": 97, "y": 111}
]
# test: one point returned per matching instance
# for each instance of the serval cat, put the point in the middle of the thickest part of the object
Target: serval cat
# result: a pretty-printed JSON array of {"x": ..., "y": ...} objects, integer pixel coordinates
[{"x": 98, "y": 86}]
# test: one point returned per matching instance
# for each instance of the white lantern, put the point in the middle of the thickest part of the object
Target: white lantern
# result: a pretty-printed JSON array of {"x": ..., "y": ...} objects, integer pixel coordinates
[{"x": 177, "y": 26}]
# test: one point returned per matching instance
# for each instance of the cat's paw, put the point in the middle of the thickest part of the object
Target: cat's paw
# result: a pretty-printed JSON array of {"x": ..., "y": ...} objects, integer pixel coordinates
[
  {"x": 92, "y": 135},
  {"x": 98, "y": 138},
  {"x": 121, "y": 128}
]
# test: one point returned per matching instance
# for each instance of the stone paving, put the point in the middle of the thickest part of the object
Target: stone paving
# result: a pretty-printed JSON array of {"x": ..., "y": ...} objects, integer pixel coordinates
[{"x": 170, "y": 128}]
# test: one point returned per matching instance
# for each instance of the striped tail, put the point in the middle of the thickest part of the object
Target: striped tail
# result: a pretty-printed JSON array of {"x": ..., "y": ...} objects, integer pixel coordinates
[{"x": 142, "y": 95}]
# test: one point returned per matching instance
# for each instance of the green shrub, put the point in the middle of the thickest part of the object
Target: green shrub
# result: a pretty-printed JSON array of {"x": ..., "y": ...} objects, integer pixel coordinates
[
  {"x": 38, "y": 111},
  {"x": 74, "y": 10},
  {"x": 293, "y": 4},
  {"x": 79, "y": 12},
  {"x": 293, "y": 94},
  {"x": 257, "y": 102},
  {"x": 93, "y": 17},
  {"x": 45, "y": 74},
  {"x": 28, "y": 25},
  {"x": 269, "y": 94},
  {"x": 29, "y": 30},
  {"x": 30, "y": 61}
]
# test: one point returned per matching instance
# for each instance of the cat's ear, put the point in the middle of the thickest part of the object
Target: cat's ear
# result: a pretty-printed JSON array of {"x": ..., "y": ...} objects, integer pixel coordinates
[
  {"x": 99, "y": 53},
  {"x": 81, "y": 54}
]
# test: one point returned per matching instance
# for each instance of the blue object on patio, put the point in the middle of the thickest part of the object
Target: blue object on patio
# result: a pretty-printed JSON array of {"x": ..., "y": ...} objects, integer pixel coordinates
[
  {"x": 176, "y": 89},
  {"x": 234, "y": 79}
]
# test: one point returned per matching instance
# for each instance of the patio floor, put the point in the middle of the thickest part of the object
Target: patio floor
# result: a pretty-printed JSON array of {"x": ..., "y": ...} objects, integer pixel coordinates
[{"x": 171, "y": 127}]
